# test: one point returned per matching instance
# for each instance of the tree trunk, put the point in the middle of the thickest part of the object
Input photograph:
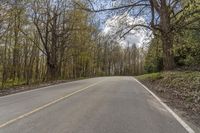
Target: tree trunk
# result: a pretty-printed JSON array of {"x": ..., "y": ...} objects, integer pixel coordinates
[
  {"x": 168, "y": 55},
  {"x": 166, "y": 37},
  {"x": 52, "y": 70}
]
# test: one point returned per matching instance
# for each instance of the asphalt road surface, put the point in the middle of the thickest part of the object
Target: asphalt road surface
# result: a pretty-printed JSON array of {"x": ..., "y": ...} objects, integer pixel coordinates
[{"x": 97, "y": 105}]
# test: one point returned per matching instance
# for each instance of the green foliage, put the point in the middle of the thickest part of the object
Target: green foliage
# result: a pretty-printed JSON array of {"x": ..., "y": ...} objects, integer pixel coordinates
[
  {"x": 12, "y": 83},
  {"x": 151, "y": 76},
  {"x": 187, "y": 49},
  {"x": 153, "y": 60}
]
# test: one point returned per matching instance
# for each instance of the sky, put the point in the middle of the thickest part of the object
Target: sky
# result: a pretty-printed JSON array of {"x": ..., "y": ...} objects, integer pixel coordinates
[
  {"x": 113, "y": 22},
  {"x": 118, "y": 26}
]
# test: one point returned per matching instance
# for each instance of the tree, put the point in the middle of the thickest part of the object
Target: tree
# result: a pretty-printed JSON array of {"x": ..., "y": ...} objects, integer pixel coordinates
[
  {"x": 165, "y": 18},
  {"x": 47, "y": 40}
]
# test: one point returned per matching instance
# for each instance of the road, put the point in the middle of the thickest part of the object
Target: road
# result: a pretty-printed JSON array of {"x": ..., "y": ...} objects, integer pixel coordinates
[{"x": 96, "y": 105}]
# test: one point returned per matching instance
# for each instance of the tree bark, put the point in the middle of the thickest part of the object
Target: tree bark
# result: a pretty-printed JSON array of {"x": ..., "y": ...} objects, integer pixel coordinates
[
  {"x": 166, "y": 37},
  {"x": 168, "y": 55},
  {"x": 52, "y": 69}
]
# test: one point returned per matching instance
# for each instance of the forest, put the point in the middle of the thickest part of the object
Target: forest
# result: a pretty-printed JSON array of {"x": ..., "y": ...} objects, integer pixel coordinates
[{"x": 48, "y": 40}]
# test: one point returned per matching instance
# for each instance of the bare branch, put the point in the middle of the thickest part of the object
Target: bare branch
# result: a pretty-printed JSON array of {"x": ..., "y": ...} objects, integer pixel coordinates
[{"x": 136, "y": 4}]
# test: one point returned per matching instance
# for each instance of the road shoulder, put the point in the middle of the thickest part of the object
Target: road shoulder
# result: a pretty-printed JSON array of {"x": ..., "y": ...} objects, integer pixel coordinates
[{"x": 178, "y": 105}]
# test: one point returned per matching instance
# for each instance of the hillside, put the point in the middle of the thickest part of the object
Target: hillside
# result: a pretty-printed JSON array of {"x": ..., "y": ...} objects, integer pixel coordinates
[{"x": 180, "y": 90}]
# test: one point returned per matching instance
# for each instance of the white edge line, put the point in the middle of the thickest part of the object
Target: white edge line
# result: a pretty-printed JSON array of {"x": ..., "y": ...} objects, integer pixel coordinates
[
  {"x": 47, "y": 105},
  {"x": 186, "y": 126},
  {"x": 39, "y": 88}
]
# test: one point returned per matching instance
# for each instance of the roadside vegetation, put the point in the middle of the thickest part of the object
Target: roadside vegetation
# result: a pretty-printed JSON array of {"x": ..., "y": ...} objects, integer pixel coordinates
[{"x": 179, "y": 89}]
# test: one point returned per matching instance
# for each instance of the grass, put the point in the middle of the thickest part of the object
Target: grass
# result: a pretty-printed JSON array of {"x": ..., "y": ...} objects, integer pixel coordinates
[
  {"x": 186, "y": 84},
  {"x": 151, "y": 76},
  {"x": 15, "y": 84},
  {"x": 11, "y": 83}
]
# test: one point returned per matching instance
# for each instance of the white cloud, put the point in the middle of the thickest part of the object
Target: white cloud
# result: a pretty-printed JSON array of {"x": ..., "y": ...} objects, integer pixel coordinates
[{"x": 117, "y": 26}]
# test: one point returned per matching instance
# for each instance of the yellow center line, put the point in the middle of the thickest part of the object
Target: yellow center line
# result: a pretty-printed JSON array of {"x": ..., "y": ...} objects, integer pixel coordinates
[{"x": 46, "y": 105}]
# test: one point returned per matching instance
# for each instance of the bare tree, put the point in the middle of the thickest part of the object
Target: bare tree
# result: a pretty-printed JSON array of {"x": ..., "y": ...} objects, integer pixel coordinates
[{"x": 166, "y": 17}]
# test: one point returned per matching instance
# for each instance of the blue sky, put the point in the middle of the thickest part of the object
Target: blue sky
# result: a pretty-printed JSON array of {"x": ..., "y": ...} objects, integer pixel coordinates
[{"x": 110, "y": 23}]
